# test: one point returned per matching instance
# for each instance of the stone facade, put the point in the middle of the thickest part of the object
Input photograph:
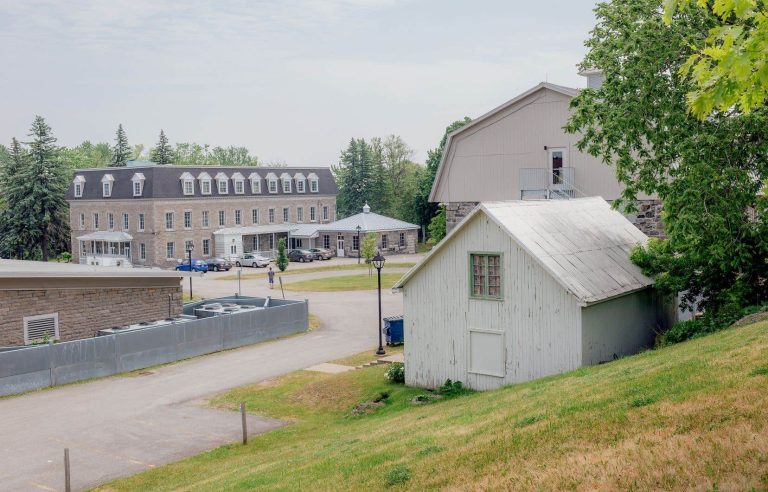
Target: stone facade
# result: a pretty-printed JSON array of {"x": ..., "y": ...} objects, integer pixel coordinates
[
  {"x": 155, "y": 236},
  {"x": 455, "y": 212},
  {"x": 647, "y": 218},
  {"x": 330, "y": 239},
  {"x": 84, "y": 311}
]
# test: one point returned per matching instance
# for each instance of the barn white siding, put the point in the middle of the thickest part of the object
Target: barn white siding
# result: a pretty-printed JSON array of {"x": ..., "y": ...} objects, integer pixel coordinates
[
  {"x": 539, "y": 319},
  {"x": 621, "y": 326}
]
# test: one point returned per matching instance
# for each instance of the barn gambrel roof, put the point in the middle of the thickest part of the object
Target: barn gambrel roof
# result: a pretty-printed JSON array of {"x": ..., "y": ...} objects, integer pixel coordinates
[{"x": 582, "y": 243}]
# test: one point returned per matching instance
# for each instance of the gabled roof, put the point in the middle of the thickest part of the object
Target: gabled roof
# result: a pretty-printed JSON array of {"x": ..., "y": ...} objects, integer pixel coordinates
[
  {"x": 285, "y": 176},
  {"x": 298, "y": 176},
  {"x": 237, "y": 176},
  {"x": 221, "y": 176},
  {"x": 582, "y": 243},
  {"x": 368, "y": 222},
  {"x": 79, "y": 179},
  {"x": 185, "y": 177},
  {"x": 107, "y": 177},
  {"x": 254, "y": 176},
  {"x": 138, "y": 177},
  {"x": 203, "y": 175},
  {"x": 567, "y": 91}
]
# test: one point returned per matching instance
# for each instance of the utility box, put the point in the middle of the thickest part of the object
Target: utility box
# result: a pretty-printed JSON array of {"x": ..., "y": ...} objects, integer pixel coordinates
[{"x": 393, "y": 330}]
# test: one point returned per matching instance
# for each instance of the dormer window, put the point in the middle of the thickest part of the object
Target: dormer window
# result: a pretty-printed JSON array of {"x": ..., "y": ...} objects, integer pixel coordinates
[
  {"x": 313, "y": 182},
  {"x": 301, "y": 183},
  {"x": 255, "y": 180},
  {"x": 205, "y": 183},
  {"x": 187, "y": 184},
  {"x": 106, "y": 185},
  {"x": 286, "y": 179},
  {"x": 222, "y": 182},
  {"x": 79, "y": 185},
  {"x": 138, "y": 184},
  {"x": 272, "y": 183},
  {"x": 239, "y": 182}
]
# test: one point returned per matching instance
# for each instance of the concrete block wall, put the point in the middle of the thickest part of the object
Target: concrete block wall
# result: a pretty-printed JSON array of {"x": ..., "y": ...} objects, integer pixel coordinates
[{"x": 84, "y": 311}]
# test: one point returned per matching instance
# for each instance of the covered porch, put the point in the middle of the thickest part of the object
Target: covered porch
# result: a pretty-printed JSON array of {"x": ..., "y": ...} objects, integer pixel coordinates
[
  {"x": 261, "y": 239},
  {"x": 106, "y": 248}
]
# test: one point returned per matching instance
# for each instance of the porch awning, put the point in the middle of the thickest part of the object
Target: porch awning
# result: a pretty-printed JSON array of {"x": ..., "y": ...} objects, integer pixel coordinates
[
  {"x": 308, "y": 231},
  {"x": 252, "y": 230},
  {"x": 107, "y": 236}
]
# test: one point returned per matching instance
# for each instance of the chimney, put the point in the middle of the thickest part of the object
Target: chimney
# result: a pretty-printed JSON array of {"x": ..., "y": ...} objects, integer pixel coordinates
[{"x": 594, "y": 78}]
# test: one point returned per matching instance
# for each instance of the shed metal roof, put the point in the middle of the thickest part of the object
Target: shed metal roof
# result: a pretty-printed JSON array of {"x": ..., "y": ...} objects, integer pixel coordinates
[
  {"x": 582, "y": 243},
  {"x": 368, "y": 222}
]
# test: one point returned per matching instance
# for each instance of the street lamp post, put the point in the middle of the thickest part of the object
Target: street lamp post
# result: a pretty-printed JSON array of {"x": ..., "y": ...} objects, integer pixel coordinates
[
  {"x": 190, "y": 247},
  {"x": 378, "y": 262},
  {"x": 358, "y": 243}
]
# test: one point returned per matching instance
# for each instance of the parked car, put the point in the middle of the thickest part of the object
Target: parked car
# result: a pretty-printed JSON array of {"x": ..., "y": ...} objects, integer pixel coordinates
[
  {"x": 198, "y": 265},
  {"x": 321, "y": 253},
  {"x": 301, "y": 255},
  {"x": 252, "y": 260},
  {"x": 218, "y": 264}
]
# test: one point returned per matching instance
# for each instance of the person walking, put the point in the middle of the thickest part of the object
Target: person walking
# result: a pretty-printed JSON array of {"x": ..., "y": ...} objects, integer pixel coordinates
[{"x": 271, "y": 277}]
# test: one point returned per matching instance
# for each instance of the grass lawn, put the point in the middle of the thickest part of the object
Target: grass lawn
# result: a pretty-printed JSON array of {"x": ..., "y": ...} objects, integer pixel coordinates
[
  {"x": 689, "y": 416},
  {"x": 424, "y": 247},
  {"x": 344, "y": 283},
  {"x": 324, "y": 268}
]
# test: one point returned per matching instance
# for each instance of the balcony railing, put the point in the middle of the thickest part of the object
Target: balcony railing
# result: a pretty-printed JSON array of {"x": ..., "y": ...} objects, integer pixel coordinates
[{"x": 538, "y": 183}]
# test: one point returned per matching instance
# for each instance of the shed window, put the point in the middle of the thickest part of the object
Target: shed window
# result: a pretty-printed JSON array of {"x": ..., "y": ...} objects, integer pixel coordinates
[
  {"x": 485, "y": 275},
  {"x": 41, "y": 328}
]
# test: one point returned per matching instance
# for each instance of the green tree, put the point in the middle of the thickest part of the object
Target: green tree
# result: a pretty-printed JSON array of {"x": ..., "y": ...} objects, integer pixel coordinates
[
  {"x": 232, "y": 156},
  {"x": 355, "y": 177},
  {"x": 42, "y": 183},
  {"x": 730, "y": 65},
  {"x": 381, "y": 196},
  {"x": 192, "y": 154},
  {"x": 436, "y": 226},
  {"x": 281, "y": 262},
  {"x": 163, "y": 152},
  {"x": 424, "y": 208},
  {"x": 121, "y": 152},
  {"x": 368, "y": 250},
  {"x": 16, "y": 234},
  {"x": 708, "y": 173}
]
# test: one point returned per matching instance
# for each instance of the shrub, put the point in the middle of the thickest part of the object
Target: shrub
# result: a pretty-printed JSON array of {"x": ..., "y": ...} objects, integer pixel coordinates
[
  {"x": 396, "y": 372},
  {"x": 706, "y": 324},
  {"x": 397, "y": 474},
  {"x": 452, "y": 388}
]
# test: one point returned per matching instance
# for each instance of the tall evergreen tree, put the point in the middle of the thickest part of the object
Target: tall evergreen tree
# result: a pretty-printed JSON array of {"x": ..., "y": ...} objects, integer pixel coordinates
[
  {"x": 121, "y": 152},
  {"x": 15, "y": 231},
  {"x": 43, "y": 184},
  {"x": 163, "y": 152},
  {"x": 355, "y": 177},
  {"x": 424, "y": 208}
]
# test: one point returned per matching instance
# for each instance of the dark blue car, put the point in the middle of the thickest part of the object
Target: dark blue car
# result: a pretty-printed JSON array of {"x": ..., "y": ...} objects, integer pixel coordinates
[{"x": 198, "y": 265}]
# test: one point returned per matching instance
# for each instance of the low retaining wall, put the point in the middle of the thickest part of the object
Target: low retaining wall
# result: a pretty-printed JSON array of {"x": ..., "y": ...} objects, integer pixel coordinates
[{"x": 40, "y": 366}]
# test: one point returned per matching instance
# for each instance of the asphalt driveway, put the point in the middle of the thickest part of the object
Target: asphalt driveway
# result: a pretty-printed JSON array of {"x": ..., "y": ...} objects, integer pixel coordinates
[{"x": 122, "y": 425}]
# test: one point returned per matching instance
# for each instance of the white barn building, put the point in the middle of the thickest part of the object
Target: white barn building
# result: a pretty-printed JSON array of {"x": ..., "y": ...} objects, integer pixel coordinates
[{"x": 524, "y": 289}]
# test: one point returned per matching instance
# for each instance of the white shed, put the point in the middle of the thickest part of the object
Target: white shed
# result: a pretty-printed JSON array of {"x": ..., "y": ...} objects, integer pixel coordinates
[{"x": 524, "y": 289}]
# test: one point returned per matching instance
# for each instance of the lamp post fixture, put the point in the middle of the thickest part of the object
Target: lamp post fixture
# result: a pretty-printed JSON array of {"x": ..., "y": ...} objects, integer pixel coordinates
[
  {"x": 190, "y": 247},
  {"x": 358, "y": 243},
  {"x": 378, "y": 263}
]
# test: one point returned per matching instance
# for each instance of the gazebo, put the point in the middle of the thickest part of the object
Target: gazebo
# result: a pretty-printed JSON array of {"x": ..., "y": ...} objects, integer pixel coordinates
[{"x": 107, "y": 248}]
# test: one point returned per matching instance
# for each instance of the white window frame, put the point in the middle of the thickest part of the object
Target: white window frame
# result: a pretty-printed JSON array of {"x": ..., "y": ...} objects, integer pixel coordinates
[
  {"x": 223, "y": 190},
  {"x": 167, "y": 216},
  {"x": 272, "y": 186},
  {"x": 256, "y": 186},
  {"x": 222, "y": 218},
  {"x": 110, "y": 221},
  {"x": 325, "y": 212},
  {"x": 271, "y": 216},
  {"x": 239, "y": 187},
  {"x": 137, "y": 188},
  {"x": 286, "y": 185},
  {"x": 82, "y": 222},
  {"x": 170, "y": 253},
  {"x": 142, "y": 251},
  {"x": 238, "y": 217},
  {"x": 142, "y": 222},
  {"x": 299, "y": 214},
  {"x": 106, "y": 189},
  {"x": 312, "y": 214},
  {"x": 206, "y": 247},
  {"x": 286, "y": 214},
  {"x": 550, "y": 152},
  {"x": 96, "y": 221},
  {"x": 255, "y": 215},
  {"x": 27, "y": 319},
  {"x": 314, "y": 186},
  {"x": 126, "y": 222},
  {"x": 187, "y": 219},
  {"x": 205, "y": 219},
  {"x": 300, "y": 187},
  {"x": 189, "y": 187},
  {"x": 78, "y": 189},
  {"x": 205, "y": 187}
]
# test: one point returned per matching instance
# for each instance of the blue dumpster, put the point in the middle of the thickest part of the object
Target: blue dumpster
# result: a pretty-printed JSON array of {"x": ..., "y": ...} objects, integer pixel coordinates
[{"x": 393, "y": 330}]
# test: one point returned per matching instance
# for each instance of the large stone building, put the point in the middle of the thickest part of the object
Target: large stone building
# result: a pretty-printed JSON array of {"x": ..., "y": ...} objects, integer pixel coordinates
[
  {"x": 151, "y": 214},
  {"x": 42, "y": 301},
  {"x": 519, "y": 151}
]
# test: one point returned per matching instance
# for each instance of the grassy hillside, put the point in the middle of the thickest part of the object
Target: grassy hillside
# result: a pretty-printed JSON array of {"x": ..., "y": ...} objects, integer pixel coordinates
[{"x": 690, "y": 416}]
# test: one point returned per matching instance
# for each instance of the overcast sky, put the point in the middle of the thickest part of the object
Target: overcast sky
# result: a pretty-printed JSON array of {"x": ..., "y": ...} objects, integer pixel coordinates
[{"x": 291, "y": 80}]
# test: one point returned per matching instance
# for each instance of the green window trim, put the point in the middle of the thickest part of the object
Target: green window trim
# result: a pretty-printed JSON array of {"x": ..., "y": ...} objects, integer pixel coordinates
[{"x": 484, "y": 255}]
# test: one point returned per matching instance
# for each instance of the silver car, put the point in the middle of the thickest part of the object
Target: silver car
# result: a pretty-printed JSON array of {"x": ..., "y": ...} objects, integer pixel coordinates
[{"x": 252, "y": 260}]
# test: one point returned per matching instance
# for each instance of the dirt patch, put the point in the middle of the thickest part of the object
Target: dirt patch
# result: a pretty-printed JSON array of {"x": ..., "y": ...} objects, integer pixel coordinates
[
  {"x": 751, "y": 318},
  {"x": 366, "y": 407},
  {"x": 335, "y": 395}
]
